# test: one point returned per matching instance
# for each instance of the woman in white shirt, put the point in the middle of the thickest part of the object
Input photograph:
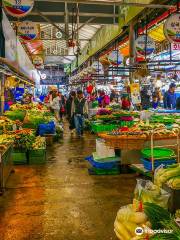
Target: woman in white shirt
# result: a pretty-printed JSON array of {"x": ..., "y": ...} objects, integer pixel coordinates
[{"x": 55, "y": 105}]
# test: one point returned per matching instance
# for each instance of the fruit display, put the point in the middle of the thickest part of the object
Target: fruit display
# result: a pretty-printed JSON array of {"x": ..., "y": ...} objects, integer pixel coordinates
[
  {"x": 40, "y": 143},
  {"x": 16, "y": 115},
  {"x": 169, "y": 176},
  {"x": 33, "y": 119},
  {"x": 6, "y": 139},
  {"x": 128, "y": 220},
  {"x": 142, "y": 223}
]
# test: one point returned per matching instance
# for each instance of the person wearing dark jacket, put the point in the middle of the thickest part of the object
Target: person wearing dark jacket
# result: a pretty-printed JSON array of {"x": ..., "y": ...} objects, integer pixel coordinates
[
  {"x": 170, "y": 97},
  {"x": 69, "y": 103},
  {"x": 178, "y": 103},
  {"x": 79, "y": 110}
]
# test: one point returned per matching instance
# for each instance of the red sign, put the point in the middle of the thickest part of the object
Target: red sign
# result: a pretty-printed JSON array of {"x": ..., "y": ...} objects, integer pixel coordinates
[{"x": 175, "y": 46}]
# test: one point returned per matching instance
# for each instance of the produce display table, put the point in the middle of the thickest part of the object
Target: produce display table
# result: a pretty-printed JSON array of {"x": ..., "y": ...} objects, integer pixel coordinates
[
  {"x": 132, "y": 142},
  {"x": 131, "y": 146},
  {"x": 6, "y": 166}
]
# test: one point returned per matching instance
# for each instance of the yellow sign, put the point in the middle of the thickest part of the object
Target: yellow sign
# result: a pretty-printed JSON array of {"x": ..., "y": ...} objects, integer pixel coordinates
[{"x": 135, "y": 93}]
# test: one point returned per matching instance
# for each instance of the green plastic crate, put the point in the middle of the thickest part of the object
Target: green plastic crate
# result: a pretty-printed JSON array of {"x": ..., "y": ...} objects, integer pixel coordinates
[
  {"x": 98, "y": 171},
  {"x": 36, "y": 157},
  {"x": 19, "y": 157},
  {"x": 158, "y": 153},
  {"x": 103, "y": 128}
]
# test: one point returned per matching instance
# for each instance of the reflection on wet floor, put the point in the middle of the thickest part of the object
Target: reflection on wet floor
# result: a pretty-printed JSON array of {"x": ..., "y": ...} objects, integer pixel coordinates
[{"x": 61, "y": 201}]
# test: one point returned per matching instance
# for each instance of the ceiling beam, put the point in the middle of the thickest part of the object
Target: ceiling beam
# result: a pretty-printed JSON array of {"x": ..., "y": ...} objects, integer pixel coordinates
[
  {"x": 116, "y": 3},
  {"x": 63, "y": 39},
  {"x": 49, "y": 21},
  {"x": 81, "y": 14}
]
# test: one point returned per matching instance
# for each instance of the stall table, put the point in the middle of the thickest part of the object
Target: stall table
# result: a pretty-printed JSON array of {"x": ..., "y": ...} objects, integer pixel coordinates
[
  {"x": 6, "y": 165},
  {"x": 131, "y": 146}
]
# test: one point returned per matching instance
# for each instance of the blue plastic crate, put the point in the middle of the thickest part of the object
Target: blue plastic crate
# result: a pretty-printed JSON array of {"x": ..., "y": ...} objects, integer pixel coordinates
[
  {"x": 148, "y": 164},
  {"x": 109, "y": 163}
]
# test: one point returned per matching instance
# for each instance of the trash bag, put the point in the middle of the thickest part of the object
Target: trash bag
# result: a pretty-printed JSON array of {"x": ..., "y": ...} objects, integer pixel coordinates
[{"x": 146, "y": 191}]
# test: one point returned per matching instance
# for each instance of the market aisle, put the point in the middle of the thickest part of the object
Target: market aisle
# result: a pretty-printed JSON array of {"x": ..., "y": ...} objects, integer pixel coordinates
[{"x": 60, "y": 201}]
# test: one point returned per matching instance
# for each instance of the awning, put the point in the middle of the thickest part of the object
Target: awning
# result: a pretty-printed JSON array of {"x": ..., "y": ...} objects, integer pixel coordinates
[{"x": 7, "y": 68}]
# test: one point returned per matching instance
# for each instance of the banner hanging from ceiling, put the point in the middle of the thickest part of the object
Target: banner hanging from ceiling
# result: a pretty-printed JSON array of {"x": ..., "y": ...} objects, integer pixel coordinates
[
  {"x": 97, "y": 67},
  {"x": 144, "y": 45},
  {"x": 135, "y": 93},
  {"x": 18, "y": 8},
  {"x": 28, "y": 31},
  {"x": 172, "y": 28},
  {"x": 115, "y": 58}
]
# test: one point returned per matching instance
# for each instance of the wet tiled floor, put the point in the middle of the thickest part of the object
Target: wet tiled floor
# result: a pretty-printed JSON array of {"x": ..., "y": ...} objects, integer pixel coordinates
[{"x": 61, "y": 201}]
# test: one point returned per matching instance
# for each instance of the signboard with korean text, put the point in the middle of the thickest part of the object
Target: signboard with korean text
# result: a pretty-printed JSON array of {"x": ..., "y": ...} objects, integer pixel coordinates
[
  {"x": 172, "y": 28},
  {"x": 135, "y": 93},
  {"x": 144, "y": 45},
  {"x": 18, "y": 8},
  {"x": 27, "y": 31}
]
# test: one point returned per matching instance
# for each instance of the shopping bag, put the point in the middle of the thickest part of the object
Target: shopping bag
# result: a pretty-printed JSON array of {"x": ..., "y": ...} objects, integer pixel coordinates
[{"x": 146, "y": 191}]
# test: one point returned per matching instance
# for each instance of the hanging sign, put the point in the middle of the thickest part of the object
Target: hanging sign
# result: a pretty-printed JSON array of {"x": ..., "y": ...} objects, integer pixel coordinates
[
  {"x": 175, "y": 46},
  {"x": 97, "y": 66},
  {"x": 172, "y": 28},
  {"x": 115, "y": 58},
  {"x": 144, "y": 45},
  {"x": 18, "y": 8},
  {"x": 135, "y": 93},
  {"x": 27, "y": 30},
  {"x": 38, "y": 62}
]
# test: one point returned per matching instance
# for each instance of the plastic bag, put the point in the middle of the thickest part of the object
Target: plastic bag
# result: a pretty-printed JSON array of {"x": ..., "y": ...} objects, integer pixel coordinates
[
  {"x": 146, "y": 191},
  {"x": 48, "y": 128},
  {"x": 102, "y": 150}
]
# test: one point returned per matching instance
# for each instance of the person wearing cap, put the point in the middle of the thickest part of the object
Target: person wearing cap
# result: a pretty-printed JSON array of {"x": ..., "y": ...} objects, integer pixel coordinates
[{"x": 170, "y": 97}]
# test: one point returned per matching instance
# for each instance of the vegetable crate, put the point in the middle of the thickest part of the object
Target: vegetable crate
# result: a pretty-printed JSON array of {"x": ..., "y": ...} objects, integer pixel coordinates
[
  {"x": 148, "y": 164},
  {"x": 103, "y": 128},
  {"x": 19, "y": 157},
  {"x": 104, "y": 163},
  {"x": 37, "y": 156},
  {"x": 97, "y": 171}
]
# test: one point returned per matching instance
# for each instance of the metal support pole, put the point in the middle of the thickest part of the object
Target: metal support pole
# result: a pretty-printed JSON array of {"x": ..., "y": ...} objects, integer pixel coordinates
[
  {"x": 131, "y": 49},
  {"x": 66, "y": 21},
  {"x": 2, "y": 78}
]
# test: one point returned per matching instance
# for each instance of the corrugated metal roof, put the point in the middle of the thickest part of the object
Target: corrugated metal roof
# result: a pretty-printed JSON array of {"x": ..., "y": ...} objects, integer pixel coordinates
[{"x": 58, "y": 47}]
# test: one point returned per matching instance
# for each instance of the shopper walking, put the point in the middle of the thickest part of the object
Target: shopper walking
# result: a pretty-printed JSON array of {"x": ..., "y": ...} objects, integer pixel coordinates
[
  {"x": 79, "y": 110},
  {"x": 170, "y": 97},
  {"x": 70, "y": 115},
  {"x": 55, "y": 105},
  {"x": 62, "y": 102}
]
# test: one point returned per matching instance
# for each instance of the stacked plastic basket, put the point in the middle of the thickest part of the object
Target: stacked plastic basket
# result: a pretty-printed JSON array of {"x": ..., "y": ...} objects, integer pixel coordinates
[
  {"x": 161, "y": 156},
  {"x": 103, "y": 166}
]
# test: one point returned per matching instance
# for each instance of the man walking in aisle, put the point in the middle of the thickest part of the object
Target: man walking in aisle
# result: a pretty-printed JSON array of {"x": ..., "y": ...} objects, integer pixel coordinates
[{"x": 80, "y": 110}]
